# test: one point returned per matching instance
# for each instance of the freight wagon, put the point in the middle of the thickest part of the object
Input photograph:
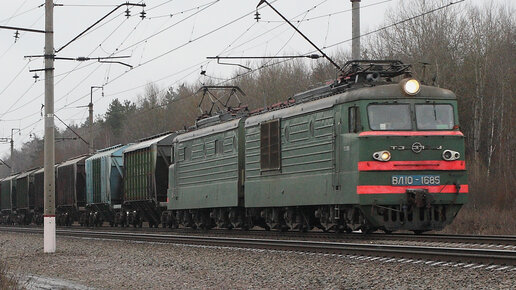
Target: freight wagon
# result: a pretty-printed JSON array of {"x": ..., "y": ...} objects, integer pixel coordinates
[
  {"x": 104, "y": 175},
  {"x": 145, "y": 179},
  {"x": 25, "y": 198},
  {"x": 8, "y": 199},
  {"x": 71, "y": 191}
]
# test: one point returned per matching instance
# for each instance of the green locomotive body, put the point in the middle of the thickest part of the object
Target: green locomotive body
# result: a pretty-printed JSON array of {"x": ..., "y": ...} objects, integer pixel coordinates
[
  {"x": 207, "y": 175},
  {"x": 367, "y": 155}
]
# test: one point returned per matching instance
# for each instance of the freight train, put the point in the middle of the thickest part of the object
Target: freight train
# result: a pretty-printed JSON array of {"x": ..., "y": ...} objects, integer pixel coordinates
[{"x": 373, "y": 150}]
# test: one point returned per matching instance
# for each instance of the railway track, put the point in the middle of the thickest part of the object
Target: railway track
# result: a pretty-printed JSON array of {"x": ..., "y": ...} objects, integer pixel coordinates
[
  {"x": 494, "y": 240},
  {"x": 445, "y": 254},
  {"x": 498, "y": 241}
]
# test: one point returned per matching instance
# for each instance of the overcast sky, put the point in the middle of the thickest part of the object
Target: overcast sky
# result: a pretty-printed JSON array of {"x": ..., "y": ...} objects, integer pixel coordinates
[{"x": 168, "y": 48}]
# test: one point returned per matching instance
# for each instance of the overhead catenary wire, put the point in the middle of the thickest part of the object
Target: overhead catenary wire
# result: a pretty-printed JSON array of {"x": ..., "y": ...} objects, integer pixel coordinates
[
  {"x": 286, "y": 60},
  {"x": 118, "y": 50},
  {"x": 350, "y": 39},
  {"x": 66, "y": 74},
  {"x": 329, "y": 46},
  {"x": 329, "y": 14},
  {"x": 159, "y": 56},
  {"x": 16, "y": 11}
]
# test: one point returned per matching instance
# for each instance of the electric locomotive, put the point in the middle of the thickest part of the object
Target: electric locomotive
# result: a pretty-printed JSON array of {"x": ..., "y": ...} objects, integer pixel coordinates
[{"x": 365, "y": 152}]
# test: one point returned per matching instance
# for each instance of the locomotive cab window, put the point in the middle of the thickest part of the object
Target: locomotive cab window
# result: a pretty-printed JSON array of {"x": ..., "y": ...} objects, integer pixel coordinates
[
  {"x": 434, "y": 117},
  {"x": 270, "y": 143},
  {"x": 389, "y": 117}
]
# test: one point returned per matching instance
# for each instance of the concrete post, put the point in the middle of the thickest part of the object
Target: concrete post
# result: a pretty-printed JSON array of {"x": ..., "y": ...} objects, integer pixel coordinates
[
  {"x": 49, "y": 229},
  {"x": 355, "y": 19}
]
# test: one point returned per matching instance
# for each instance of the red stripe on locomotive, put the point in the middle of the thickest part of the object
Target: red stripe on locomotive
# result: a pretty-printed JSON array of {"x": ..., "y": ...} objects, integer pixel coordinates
[
  {"x": 411, "y": 133},
  {"x": 411, "y": 165},
  {"x": 389, "y": 189}
]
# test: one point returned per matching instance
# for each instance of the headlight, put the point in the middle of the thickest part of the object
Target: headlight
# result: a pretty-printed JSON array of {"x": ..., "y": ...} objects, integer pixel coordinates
[
  {"x": 450, "y": 155},
  {"x": 382, "y": 155},
  {"x": 410, "y": 86}
]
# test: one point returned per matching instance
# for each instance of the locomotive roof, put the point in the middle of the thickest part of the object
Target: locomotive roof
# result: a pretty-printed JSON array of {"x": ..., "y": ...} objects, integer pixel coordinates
[
  {"x": 386, "y": 92},
  {"x": 208, "y": 130},
  {"x": 161, "y": 140}
]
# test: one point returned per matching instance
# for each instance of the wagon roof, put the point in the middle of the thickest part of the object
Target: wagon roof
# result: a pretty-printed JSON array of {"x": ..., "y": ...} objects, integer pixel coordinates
[
  {"x": 11, "y": 177},
  {"x": 389, "y": 91},
  {"x": 73, "y": 161},
  {"x": 114, "y": 151},
  {"x": 208, "y": 130},
  {"x": 42, "y": 169},
  {"x": 26, "y": 173},
  {"x": 162, "y": 140}
]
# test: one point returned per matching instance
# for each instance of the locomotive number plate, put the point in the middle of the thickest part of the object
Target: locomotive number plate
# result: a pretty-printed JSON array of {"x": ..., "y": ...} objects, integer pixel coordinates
[{"x": 416, "y": 180}]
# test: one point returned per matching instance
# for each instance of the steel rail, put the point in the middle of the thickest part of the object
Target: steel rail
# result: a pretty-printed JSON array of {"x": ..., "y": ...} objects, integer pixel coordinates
[
  {"x": 495, "y": 240},
  {"x": 448, "y": 254}
]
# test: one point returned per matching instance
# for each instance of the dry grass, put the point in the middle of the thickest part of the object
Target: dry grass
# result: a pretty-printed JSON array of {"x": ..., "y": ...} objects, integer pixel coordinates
[
  {"x": 7, "y": 280},
  {"x": 484, "y": 221}
]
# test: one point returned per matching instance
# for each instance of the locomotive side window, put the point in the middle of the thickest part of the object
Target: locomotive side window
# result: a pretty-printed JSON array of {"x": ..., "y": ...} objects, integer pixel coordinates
[
  {"x": 217, "y": 147},
  {"x": 389, "y": 117},
  {"x": 434, "y": 117},
  {"x": 354, "y": 120},
  {"x": 187, "y": 153},
  {"x": 270, "y": 142}
]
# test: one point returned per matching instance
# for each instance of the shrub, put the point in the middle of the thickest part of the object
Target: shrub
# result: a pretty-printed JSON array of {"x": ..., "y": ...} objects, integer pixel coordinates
[{"x": 7, "y": 280}]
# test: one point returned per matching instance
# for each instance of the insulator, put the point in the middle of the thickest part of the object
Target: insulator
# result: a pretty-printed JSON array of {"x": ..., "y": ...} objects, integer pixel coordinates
[
  {"x": 142, "y": 14},
  {"x": 35, "y": 77},
  {"x": 127, "y": 13},
  {"x": 16, "y": 36},
  {"x": 257, "y": 16}
]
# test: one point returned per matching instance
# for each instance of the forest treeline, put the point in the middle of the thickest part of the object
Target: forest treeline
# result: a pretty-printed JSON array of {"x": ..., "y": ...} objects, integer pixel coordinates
[{"x": 468, "y": 49}]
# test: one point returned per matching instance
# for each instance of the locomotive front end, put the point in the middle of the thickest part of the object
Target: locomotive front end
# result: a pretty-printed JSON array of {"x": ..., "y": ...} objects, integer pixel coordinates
[{"x": 412, "y": 172}]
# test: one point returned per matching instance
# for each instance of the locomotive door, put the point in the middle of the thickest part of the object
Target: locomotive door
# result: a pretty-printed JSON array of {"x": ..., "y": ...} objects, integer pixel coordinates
[{"x": 337, "y": 123}]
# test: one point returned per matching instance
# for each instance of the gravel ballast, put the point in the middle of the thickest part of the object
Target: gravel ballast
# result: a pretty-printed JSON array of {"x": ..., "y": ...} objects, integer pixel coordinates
[{"x": 122, "y": 265}]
